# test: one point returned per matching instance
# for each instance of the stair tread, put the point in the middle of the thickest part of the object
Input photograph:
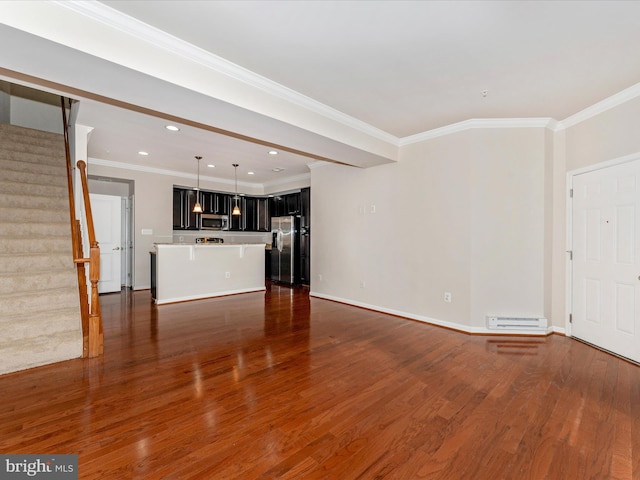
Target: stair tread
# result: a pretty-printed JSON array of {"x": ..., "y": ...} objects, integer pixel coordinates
[
  {"x": 61, "y": 196},
  {"x": 43, "y": 291},
  {"x": 43, "y": 209},
  {"x": 39, "y": 273},
  {"x": 40, "y": 224},
  {"x": 49, "y": 313}
]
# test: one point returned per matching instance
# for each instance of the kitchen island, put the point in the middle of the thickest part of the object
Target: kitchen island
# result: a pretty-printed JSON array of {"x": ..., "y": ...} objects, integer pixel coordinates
[{"x": 189, "y": 272}]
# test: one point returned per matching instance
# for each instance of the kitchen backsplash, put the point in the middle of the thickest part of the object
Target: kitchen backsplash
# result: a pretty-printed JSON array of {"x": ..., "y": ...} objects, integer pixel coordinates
[{"x": 182, "y": 236}]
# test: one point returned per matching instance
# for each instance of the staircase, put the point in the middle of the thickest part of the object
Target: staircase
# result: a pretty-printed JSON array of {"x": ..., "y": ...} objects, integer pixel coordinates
[{"x": 40, "y": 320}]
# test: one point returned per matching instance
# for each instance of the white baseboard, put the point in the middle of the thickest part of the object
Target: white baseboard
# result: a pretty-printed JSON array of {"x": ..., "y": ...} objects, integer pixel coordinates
[{"x": 434, "y": 321}]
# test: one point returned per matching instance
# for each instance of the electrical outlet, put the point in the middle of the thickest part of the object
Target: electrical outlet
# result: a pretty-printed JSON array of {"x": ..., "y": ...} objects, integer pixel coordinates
[
  {"x": 447, "y": 297},
  {"x": 319, "y": 277},
  {"x": 362, "y": 284},
  {"x": 227, "y": 274},
  {"x": 373, "y": 209}
]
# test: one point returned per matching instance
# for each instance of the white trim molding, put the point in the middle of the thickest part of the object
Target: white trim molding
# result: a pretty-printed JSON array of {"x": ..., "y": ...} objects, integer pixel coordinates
[
  {"x": 479, "y": 123},
  {"x": 131, "y": 26},
  {"x": 433, "y": 321},
  {"x": 602, "y": 106},
  {"x": 162, "y": 171}
]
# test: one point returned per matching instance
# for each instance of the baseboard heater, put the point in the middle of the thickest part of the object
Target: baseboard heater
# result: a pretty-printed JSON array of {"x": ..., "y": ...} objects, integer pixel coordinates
[{"x": 517, "y": 323}]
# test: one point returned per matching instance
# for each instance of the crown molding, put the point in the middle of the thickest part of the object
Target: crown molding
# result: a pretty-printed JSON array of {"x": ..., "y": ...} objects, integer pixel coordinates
[
  {"x": 121, "y": 22},
  {"x": 602, "y": 106},
  {"x": 170, "y": 173},
  {"x": 131, "y": 26},
  {"x": 478, "y": 123}
]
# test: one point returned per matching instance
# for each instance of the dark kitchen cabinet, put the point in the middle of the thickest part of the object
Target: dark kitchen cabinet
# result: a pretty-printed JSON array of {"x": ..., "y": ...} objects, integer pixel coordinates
[
  {"x": 207, "y": 202},
  {"x": 292, "y": 204},
  {"x": 282, "y": 205},
  {"x": 264, "y": 218},
  {"x": 276, "y": 206},
  {"x": 254, "y": 214},
  {"x": 305, "y": 236},
  {"x": 216, "y": 203},
  {"x": 236, "y": 222},
  {"x": 183, "y": 202},
  {"x": 250, "y": 214},
  {"x": 255, "y": 211}
]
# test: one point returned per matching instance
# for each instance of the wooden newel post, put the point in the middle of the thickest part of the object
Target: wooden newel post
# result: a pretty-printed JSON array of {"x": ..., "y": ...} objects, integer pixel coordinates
[{"x": 96, "y": 332}]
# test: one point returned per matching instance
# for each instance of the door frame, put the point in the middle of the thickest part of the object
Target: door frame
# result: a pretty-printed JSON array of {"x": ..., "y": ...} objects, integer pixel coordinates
[
  {"x": 104, "y": 185},
  {"x": 569, "y": 230}
]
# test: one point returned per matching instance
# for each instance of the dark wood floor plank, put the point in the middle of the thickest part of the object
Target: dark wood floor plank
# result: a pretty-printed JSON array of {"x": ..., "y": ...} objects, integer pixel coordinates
[{"x": 279, "y": 385}]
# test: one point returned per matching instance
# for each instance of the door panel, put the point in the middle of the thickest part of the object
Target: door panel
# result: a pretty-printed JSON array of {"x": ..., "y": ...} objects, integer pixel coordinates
[
  {"x": 107, "y": 214},
  {"x": 606, "y": 258}
]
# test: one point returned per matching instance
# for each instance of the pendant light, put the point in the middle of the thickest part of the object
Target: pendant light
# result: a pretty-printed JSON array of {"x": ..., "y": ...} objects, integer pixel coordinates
[
  {"x": 236, "y": 209},
  {"x": 197, "y": 208}
]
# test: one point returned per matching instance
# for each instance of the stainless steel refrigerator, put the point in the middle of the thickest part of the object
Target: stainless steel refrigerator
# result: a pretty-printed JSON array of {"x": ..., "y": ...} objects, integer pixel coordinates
[{"x": 284, "y": 248}]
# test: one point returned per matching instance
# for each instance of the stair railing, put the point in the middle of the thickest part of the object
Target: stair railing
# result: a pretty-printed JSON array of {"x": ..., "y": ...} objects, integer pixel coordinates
[{"x": 92, "y": 329}]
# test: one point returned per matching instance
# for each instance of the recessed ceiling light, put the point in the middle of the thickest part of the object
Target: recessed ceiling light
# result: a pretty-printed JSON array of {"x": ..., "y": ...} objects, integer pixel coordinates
[
  {"x": 273, "y": 152},
  {"x": 172, "y": 128},
  {"x": 144, "y": 154},
  {"x": 277, "y": 169},
  {"x": 250, "y": 173},
  {"x": 211, "y": 165}
]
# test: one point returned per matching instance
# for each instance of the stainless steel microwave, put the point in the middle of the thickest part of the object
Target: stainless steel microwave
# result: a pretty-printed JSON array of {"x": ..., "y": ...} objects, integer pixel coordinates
[{"x": 209, "y": 221}]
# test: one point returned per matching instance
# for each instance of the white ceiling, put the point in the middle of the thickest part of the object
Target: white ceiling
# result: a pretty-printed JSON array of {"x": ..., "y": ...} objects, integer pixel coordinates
[
  {"x": 397, "y": 67},
  {"x": 406, "y": 67},
  {"x": 119, "y": 134}
]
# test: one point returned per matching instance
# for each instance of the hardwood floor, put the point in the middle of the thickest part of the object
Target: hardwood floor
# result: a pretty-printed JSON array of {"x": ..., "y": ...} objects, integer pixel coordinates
[{"x": 279, "y": 386}]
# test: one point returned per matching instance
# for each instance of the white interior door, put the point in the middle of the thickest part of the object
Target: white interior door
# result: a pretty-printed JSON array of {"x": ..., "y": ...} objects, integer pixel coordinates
[
  {"x": 107, "y": 214},
  {"x": 606, "y": 258}
]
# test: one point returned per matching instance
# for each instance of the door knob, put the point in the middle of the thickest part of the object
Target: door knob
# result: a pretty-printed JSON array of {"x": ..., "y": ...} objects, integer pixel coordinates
[{"x": 117, "y": 248}]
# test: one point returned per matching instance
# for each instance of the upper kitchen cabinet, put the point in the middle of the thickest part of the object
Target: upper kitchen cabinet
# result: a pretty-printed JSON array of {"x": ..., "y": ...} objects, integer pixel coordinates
[
  {"x": 285, "y": 205},
  {"x": 263, "y": 223},
  {"x": 183, "y": 202},
  {"x": 254, "y": 215},
  {"x": 255, "y": 211},
  {"x": 216, "y": 203},
  {"x": 236, "y": 222},
  {"x": 292, "y": 203},
  {"x": 276, "y": 206}
]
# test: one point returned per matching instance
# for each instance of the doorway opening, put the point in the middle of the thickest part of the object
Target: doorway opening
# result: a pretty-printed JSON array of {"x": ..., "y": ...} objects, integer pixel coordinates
[{"x": 125, "y": 191}]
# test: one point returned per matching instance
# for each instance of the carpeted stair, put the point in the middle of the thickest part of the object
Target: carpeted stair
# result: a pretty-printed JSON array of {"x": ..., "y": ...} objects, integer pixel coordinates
[{"x": 40, "y": 319}]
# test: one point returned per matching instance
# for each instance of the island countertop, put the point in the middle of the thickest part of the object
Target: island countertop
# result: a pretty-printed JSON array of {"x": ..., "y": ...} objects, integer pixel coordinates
[{"x": 193, "y": 271}]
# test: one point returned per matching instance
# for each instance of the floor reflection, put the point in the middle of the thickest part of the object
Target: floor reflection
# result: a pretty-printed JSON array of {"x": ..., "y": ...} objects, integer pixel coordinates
[{"x": 513, "y": 346}]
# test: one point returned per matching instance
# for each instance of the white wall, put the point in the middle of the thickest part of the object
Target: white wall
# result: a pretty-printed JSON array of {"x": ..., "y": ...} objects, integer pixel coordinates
[
  {"x": 464, "y": 213},
  {"x": 33, "y": 114},
  {"x": 5, "y": 103},
  {"x": 507, "y": 223},
  {"x": 153, "y": 207},
  {"x": 606, "y": 136}
]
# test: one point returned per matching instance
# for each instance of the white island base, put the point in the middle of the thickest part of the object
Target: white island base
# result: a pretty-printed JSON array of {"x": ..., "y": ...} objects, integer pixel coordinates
[{"x": 190, "y": 272}]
